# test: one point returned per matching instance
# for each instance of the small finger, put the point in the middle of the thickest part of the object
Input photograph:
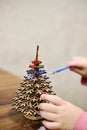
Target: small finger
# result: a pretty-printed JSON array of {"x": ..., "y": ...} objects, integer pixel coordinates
[
  {"x": 51, "y": 125},
  {"x": 49, "y": 116},
  {"x": 53, "y": 98},
  {"x": 48, "y": 107},
  {"x": 77, "y": 62},
  {"x": 42, "y": 128}
]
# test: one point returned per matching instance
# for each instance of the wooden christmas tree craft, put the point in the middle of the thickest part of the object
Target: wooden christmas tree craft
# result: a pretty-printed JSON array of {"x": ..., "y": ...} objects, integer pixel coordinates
[{"x": 27, "y": 98}]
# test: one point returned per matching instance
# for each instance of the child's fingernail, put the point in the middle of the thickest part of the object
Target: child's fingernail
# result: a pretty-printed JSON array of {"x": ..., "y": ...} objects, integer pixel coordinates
[{"x": 42, "y": 96}]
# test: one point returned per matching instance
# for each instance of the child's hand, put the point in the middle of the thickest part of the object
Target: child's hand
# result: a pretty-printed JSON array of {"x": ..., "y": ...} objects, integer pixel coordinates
[
  {"x": 79, "y": 65},
  {"x": 59, "y": 114}
]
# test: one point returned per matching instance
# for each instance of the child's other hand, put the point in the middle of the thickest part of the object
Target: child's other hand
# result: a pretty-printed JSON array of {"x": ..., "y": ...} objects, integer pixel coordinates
[
  {"x": 58, "y": 114},
  {"x": 79, "y": 65}
]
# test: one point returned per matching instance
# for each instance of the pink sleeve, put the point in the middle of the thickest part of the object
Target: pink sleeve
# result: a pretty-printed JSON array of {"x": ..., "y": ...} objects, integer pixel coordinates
[
  {"x": 84, "y": 81},
  {"x": 81, "y": 123}
]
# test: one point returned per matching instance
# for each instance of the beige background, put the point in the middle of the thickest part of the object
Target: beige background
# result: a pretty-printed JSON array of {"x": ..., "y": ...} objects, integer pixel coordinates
[{"x": 59, "y": 27}]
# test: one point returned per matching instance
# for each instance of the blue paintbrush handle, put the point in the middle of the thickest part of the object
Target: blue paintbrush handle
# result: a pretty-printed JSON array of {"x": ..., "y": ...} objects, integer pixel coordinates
[{"x": 61, "y": 69}]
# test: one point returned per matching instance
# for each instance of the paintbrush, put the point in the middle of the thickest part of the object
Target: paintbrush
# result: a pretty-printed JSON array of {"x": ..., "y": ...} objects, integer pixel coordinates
[{"x": 59, "y": 70}]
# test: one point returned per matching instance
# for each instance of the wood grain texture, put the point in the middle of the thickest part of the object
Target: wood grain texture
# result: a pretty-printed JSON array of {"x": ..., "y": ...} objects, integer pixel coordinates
[{"x": 10, "y": 120}]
